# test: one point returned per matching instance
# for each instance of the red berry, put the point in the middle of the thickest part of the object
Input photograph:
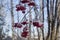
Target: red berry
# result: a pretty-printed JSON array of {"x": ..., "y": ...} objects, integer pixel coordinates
[
  {"x": 20, "y": 7},
  {"x": 25, "y": 1},
  {"x": 35, "y": 23},
  {"x": 24, "y": 22},
  {"x": 15, "y": 25},
  {"x": 24, "y": 34},
  {"x": 31, "y": 4},
  {"x": 19, "y": 25}
]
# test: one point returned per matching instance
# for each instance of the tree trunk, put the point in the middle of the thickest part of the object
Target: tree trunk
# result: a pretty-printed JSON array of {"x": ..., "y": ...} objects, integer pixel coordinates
[
  {"x": 48, "y": 15},
  {"x": 12, "y": 18}
]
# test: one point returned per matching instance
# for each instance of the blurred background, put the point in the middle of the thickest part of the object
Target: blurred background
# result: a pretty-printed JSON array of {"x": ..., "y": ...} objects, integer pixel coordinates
[{"x": 29, "y": 19}]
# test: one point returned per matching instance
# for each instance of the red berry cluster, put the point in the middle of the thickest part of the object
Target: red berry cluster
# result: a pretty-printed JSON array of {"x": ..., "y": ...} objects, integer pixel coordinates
[
  {"x": 18, "y": 25},
  {"x": 37, "y": 24},
  {"x": 25, "y": 29},
  {"x": 31, "y": 4},
  {"x": 20, "y": 7},
  {"x": 24, "y": 22},
  {"x": 25, "y": 32}
]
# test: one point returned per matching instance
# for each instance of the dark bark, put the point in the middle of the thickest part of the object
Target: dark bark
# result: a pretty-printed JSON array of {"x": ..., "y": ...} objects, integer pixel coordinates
[
  {"x": 0, "y": 33},
  {"x": 43, "y": 18},
  {"x": 43, "y": 33},
  {"x": 56, "y": 8},
  {"x": 53, "y": 20},
  {"x": 48, "y": 20},
  {"x": 38, "y": 34},
  {"x": 57, "y": 28},
  {"x": 56, "y": 14}
]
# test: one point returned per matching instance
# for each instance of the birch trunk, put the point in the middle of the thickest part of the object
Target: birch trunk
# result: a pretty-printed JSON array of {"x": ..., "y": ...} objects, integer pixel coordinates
[{"x": 12, "y": 18}]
